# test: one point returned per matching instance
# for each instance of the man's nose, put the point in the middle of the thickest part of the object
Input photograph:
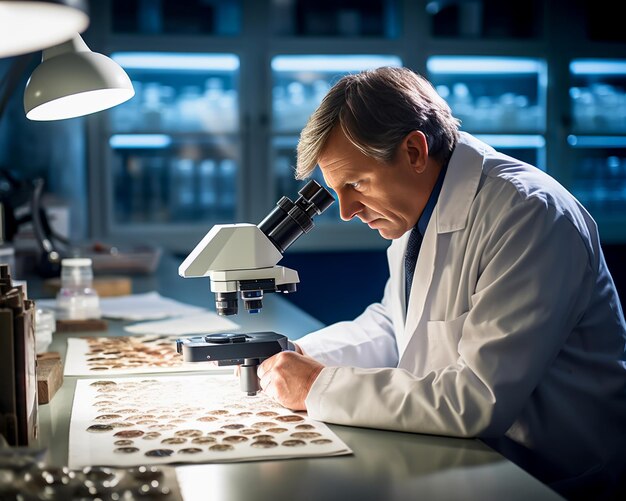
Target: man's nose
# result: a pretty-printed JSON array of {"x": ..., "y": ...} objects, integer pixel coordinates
[{"x": 349, "y": 206}]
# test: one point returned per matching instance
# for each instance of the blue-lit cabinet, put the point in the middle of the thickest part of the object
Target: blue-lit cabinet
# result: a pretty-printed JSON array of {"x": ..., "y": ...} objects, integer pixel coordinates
[
  {"x": 224, "y": 88},
  {"x": 598, "y": 96},
  {"x": 597, "y": 142},
  {"x": 501, "y": 100},
  {"x": 544, "y": 82},
  {"x": 175, "y": 147},
  {"x": 211, "y": 135}
]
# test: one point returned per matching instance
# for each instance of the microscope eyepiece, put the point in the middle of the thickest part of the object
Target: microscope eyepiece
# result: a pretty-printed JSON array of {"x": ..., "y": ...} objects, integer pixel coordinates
[
  {"x": 288, "y": 220},
  {"x": 316, "y": 196}
]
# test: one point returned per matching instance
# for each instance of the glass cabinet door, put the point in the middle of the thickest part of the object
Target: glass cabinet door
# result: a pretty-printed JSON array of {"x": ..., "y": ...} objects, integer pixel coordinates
[
  {"x": 299, "y": 82},
  {"x": 598, "y": 96},
  {"x": 598, "y": 141},
  {"x": 175, "y": 147},
  {"x": 599, "y": 174},
  {"x": 493, "y": 94},
  {"x": 159, "y": 179}
]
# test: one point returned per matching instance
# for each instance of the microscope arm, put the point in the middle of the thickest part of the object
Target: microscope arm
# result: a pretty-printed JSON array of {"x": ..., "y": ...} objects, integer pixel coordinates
[{"x": 240, "y": 246}]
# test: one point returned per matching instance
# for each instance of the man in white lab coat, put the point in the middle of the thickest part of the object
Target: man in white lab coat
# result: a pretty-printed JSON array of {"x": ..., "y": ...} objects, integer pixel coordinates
[{"x": 508, "y": 329}]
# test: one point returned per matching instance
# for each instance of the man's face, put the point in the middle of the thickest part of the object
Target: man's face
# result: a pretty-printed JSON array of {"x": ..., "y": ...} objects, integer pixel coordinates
[{"x": 387, "y": 197}]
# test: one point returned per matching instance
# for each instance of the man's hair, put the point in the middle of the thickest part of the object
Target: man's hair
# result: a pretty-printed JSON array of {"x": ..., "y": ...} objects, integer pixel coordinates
[{"x": 376, "y": 109}]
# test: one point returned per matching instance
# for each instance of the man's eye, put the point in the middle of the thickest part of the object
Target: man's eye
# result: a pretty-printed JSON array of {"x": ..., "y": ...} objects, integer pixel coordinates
[{"x": 356, "y": 185}]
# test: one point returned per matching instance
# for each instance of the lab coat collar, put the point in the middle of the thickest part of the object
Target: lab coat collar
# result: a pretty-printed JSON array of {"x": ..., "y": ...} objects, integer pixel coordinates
[
  {"x": 460, "y": 184},
  {"x": 452, "y": 211}
]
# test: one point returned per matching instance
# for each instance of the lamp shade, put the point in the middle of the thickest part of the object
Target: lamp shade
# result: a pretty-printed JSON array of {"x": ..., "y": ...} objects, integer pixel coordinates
[
  {"x": 29, "y": 25},
  {"x": 72, "y": 81}
]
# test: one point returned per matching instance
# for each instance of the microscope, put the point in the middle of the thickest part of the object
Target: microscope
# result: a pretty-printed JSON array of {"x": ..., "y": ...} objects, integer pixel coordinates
[{"x": 241, "y": 260}]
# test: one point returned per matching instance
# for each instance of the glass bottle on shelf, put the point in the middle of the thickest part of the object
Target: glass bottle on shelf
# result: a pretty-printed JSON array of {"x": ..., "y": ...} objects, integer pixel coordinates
[
  {"x": 182, "y": 200},
  {"x": 227, "y": 199},
  {"x": 207, "y": 195}
]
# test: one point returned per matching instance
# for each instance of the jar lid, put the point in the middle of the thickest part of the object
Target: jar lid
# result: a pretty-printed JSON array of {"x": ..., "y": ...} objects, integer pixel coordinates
[{"x": 76, "y": 261}]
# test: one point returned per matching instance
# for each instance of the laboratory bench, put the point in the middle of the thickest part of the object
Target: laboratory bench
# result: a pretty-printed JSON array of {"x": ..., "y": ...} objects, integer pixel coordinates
[{"x": 384, "y": 465}]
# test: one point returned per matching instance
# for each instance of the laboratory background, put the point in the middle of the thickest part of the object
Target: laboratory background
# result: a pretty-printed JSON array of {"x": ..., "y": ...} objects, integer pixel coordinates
[{"x": 223, "y": 88}]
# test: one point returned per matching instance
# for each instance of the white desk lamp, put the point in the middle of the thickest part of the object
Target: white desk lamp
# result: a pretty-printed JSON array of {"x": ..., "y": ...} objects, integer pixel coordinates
[
  {"x": 73, "y": 81},
  {"x": 30, "y": 25}
]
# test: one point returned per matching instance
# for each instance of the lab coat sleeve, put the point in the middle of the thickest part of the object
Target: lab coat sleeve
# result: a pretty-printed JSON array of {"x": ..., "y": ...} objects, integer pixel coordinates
[
  {"x": 367, "y": 341},
  {"x": 535, "y": 274}
]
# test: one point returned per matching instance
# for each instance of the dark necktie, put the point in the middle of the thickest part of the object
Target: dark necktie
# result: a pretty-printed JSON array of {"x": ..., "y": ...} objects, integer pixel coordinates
[{"x": 410, "y": 260}]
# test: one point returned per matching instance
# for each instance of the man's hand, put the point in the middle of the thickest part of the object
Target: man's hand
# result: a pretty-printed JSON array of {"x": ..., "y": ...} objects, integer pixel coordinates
[
  {"x": 287, "y": 378},
  {"x": 237, "y": 369}
]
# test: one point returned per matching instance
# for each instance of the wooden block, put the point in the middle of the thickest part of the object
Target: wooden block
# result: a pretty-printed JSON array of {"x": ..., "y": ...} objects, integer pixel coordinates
[
  {"x": 105, "y": 286},
  {"x": 49, "y": 376},
  {"x": 49, "y": 355},
  {"x": 91, "y": 324}
]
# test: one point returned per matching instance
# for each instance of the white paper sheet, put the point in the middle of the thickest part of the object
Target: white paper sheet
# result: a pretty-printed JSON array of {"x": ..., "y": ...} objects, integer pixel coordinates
[
  {"x": 148, "y": 306},
  {"x": 137, "y": 307},
  {"x": 202, "y": 323},
  {"x": 187, "y": 419},
  {"x": 124, "y": 355}
]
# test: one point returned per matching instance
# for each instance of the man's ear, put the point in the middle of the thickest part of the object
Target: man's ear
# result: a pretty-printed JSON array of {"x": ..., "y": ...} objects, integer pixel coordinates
[{"x": 417, "y": 150}]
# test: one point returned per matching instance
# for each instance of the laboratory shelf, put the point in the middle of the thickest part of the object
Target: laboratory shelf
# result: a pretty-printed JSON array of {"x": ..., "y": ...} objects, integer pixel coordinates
[
  {"x": 179, "y": 92},
  {"x": 175, "y": 148},
  {"x": 299, "y": 82},
  {"x": 223, "y": 89},
  {"x": 598, "y": 96},
  {"x": 599, "y": 174},
  {"x": 493, "y": 94}
]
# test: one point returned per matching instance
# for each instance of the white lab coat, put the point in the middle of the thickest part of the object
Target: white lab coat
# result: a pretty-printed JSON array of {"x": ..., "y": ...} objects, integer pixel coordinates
[{"x": 514, "y": 330}]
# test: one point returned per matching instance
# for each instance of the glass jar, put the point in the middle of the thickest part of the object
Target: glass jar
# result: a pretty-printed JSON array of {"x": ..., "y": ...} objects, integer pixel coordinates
[{"x": 77, "y": 300}]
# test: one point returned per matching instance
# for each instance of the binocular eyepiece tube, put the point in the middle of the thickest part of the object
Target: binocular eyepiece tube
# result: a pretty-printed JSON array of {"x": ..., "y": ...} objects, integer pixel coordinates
[{"x": 288, "y": 220}]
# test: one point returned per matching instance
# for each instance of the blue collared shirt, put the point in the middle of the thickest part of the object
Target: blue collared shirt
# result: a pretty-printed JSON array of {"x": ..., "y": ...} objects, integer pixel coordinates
[
  {"x": 415, "y": 239},
  {"x": 422, "y": 222}
]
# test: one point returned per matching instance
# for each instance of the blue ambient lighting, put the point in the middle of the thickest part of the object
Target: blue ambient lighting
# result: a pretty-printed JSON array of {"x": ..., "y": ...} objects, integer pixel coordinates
[
  {"x": 596, "y": 141},
  {"x": 512, "y": 141},
  {"x": 598, "y": 67},
  {"x": 472, "y": 65},
  {"x": 332, "y": 63},
  {"x": 140, "y": 141},
  {"x": 176, "y": 61}
]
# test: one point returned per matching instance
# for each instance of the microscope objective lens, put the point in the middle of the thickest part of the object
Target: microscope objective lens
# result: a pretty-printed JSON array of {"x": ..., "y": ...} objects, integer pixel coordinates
[
  {"x": 226, "y": 303},
  {"x": 252, "y": 300}
]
